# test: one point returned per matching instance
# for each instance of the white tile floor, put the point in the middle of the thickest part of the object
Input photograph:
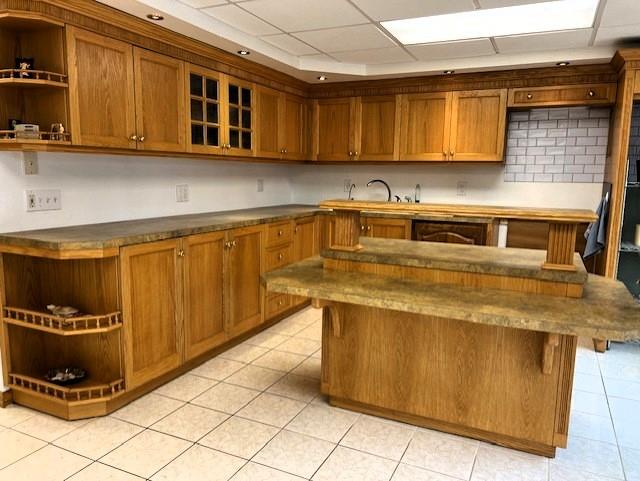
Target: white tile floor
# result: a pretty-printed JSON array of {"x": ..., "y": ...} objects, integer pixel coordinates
[{"x": 254, "y": 413}]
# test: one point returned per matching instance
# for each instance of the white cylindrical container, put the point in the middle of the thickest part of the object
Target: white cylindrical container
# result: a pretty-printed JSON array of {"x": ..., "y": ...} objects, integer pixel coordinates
[{"x": 638, "y": 234}]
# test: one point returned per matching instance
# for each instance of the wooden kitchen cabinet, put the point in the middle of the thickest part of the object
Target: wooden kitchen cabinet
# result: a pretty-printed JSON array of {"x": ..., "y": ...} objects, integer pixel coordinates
[
  {"x": 334, "y": 129},
  {"x": 294, "y": 123},
  {"x": 151, "y": 276},
  {"x": 102, "y": 100},
  {"x": 386, "y": 228},
  {"x": 478, "y": 119},
  {"x": 270, "y": 131},
  {"x": 159, "y": 87},
  {"x": 204, "y": 327},
  {"x": 425, "y": 122},
  {"x": 244, "y": 267},
  {"x": 240, "y": 121},
  {"x": 377, "y": 128},
  {"x": 563, "y": 95},
  {"x": 206, "y": 110},
  {"x": 451, "y": 232},
  {"x": 306, "y": 238}
]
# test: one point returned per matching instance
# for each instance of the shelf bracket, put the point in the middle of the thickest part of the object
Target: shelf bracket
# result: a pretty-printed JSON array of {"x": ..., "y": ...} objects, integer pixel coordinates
[
  {"x": 333, "y": 312},
  {"x": 551, "y": 341}
]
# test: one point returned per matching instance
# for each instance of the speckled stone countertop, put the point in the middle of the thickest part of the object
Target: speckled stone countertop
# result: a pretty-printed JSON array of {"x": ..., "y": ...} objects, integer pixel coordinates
[
  {"x": 462, "y": 258},
  {"x": 606, "y": 311},
  {"x": 115, "y": 234}
]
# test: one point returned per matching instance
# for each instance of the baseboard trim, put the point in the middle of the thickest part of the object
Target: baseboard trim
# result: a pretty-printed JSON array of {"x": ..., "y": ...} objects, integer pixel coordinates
[{"x": 6, "y": 398}]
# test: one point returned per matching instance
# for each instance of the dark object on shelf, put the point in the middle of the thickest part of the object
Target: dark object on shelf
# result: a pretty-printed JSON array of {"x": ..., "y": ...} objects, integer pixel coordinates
[
  {"x": 24, "y": 64},
  {"x": 65, "y": 376},
  {"x": 13, "y": 123}
]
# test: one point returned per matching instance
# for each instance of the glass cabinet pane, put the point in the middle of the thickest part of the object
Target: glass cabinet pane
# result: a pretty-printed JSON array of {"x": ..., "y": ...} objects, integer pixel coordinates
[
  {"x": 234, "y": 138},
  {"x": 234, "y": 95},
  {"x": 196, "y": 110},
  {"x": 234, "y": 117},
  {"x": 246, "y": 119},
  {"x": 212, "y": 89},
  {"x": 195, "y": 85},
  {"x": 246, "y": 98},
  {"x": 197, "y": 134},
  {"x": 246, "y": 140},
  {"x": 213, "y": 136},
  {"x": 212, "y": 113}
]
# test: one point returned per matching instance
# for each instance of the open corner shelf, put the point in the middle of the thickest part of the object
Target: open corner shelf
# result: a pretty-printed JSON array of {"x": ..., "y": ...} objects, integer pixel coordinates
[
  {"x": 37, "y": 78},
  {"x": 84, "y": 391},
  {"x": 63, "y": 326}
]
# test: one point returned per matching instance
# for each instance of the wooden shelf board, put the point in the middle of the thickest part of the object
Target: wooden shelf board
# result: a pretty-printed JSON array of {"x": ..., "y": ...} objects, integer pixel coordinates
[
  {"x": 61, "y": 326},
  {"x": 35, "y": 142},
  {"x": 76, "y": 393},
  {"x": 31, "y": 83}
]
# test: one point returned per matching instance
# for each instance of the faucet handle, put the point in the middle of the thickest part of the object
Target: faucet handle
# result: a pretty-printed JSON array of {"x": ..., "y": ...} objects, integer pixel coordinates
[{"x": 398, "y": 199}]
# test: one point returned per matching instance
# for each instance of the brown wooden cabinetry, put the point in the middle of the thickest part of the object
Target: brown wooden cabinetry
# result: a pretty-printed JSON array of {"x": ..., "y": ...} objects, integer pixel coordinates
[
  {"x": 563, "y": 95},
  {"x": 240, "y": 121},
  {"x": 294, "y": 127},
  {"x": 377, "y": 128},
  {"x": 334, "y": 129},
  {"x": 270, "y": 131},
  {"x": 151, "y": 276},
  {"x": 424, "y": 126},
  {"x": 206, "y": 111},
  {"x": 385, "y": 227},
  {"x": 450, "y": 232}
]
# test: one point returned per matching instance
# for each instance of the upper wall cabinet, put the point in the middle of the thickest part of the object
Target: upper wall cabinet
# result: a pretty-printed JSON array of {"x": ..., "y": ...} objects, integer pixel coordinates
[
  {"x": 334, "y": 129},
  {"x": 294, "y": 122},
  {"x": 377, "y": 128},
  {"x": 563, "y": 95},
  {"x": 280, "y": 125},
  {"x": 453, "y": 126},
  {"x": 123, "y": 96},
  {"x": 241, "y": 119}
]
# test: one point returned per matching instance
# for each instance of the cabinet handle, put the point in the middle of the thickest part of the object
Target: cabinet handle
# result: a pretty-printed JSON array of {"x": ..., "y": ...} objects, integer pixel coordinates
[
  {"x": 356, "y": 153},
  {"x": 351, "y": 153},
  {"x": 280, "y": 302},
  {"x": 134, "y": 137},
  {"x": 592, "y": 93},
  {"x": 444, "y": 154},
  {"x": 296, "y": 230},
  {"x": 228, "y": 146},
  {"x": 529, "y": 96},
  {"x": 181, "y": 253},
  {"x": 286, "y": 151},
  {"x": 280, "y": 232},
  {"x": 363, "y": 227},
  {"x": 451, "y": 153},
  {"x": 234, "y": 243},
  {"x": 227, "y": 245},
  {"x": 368, "y": 228},
  {"x": 280, "y": 256},
  {"x": 142, "y": 138}
]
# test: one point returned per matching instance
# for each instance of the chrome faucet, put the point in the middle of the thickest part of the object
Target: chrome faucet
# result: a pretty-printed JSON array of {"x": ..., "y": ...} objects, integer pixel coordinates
[
  {"x": 351, "y": 187},
  {"x": 383, "y": 183}
]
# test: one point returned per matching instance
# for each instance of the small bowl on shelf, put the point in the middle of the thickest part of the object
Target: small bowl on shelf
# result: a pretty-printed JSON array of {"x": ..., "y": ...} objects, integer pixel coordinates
[{"x": 65, "y": 376}]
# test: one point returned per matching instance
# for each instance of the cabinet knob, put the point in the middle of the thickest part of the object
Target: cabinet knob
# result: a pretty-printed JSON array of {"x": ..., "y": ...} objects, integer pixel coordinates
[
  {"x": 592, "y": 93},
  {"x": 134, "y": 137},
  {"x": 356, "y": 153},
  {"x": 286, "y": 151},
  {"x": 280, "y": 232},
  {"x": 280, "y": 302},
  {"x": 181, "y": 253},
  {"x": 445, "y": 154},
  {"x": 363, "y": 227},
  {"x": 234, "y": 243},
  {"x": 280, "y": 256},
  {"x": 296, "y": 229},
  {"x": 351, "y": 153},
  {"x": 142, "y": 138},
  {"x": 368, "y": 228},
  {"x": 529, "y": 96},
  {"x": 451, "y": 153}
]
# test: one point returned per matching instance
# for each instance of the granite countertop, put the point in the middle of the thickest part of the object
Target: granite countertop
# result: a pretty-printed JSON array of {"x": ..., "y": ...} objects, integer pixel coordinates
[
  {"x": 116, "y": 234},
  {"x": 462, "y": 258},
  {"x": 606, "y": 311}
]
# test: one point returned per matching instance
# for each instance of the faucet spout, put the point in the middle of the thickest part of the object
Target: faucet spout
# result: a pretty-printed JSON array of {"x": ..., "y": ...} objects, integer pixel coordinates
[{"x": 380, "y": 181}]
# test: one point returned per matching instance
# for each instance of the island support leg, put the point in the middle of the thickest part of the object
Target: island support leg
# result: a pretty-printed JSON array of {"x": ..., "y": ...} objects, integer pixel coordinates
[
  {"x": 346, "y": 234},
  {"x": 561, "y": 245}
]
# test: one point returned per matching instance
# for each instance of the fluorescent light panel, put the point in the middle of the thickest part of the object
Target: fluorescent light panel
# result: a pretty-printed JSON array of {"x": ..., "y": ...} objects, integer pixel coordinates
[{"x": 495, "y": 22}]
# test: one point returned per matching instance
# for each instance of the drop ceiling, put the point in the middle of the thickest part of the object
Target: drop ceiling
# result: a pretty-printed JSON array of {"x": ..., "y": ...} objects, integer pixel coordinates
[{"x": 345, "y": 39}]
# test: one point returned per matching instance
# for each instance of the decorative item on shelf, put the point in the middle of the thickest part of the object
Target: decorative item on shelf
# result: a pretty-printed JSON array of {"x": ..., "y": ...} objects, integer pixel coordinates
[
  {"x": 57, "y": 132},
  {"x": 65, "y": 376},
  {"x": 13, "y": 123},
  {"x": 63, "y": 311},
  {"x": 24, "y": 64},
  {"x": 27, "y": 131}
]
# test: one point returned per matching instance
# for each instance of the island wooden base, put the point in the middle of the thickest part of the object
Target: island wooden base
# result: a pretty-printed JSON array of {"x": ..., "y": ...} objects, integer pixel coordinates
[{"x": 499, "y": 384}]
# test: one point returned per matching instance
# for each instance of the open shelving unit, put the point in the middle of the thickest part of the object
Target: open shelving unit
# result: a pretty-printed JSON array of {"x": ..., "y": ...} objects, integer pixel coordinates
[{"x": 37, "y": 95}]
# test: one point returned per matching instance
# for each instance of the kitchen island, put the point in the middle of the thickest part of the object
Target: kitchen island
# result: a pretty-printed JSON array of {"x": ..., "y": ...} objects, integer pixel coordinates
[{"x": 473, "y": 340}]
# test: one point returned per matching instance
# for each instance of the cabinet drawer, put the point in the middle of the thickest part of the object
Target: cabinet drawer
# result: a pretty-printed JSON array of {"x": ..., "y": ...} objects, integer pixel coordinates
[
  {"x": 280, "y": 233},
  {"x": 279, "y": 257},
  {"x": 452, "y": 233},
  {"x": 567, "y": 95},
  {"x": 276, "y": 303}
]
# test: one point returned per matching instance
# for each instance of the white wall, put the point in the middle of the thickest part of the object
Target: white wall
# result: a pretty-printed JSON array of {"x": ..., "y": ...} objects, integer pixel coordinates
[
  {"x": 485, "y": 185},
  {"x": 102, "y": 188}
]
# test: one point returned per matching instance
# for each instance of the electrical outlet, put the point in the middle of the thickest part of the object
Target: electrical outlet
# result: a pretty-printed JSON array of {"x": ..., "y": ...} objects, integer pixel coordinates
[
  {"x": 260, "y": 185},
  {"x": 182, "y": 193},
  {"x": 462, "y": 188},
  {"x": 38, "y": 200},
  {"x": 347, "y": 185},
  {"x": 30, "y": 163}
]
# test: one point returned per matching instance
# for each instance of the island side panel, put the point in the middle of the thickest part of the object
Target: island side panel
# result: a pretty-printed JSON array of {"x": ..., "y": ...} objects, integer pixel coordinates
[{"x": 476, "y": 380}]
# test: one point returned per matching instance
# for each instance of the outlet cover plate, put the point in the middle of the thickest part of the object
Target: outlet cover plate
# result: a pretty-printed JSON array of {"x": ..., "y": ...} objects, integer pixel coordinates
[
  {"x": 43, "y": 199},
  {"x": 182, "y": 193}
]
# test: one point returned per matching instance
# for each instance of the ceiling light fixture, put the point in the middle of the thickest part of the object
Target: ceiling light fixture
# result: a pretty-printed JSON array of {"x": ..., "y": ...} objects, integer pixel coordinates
[
  {"x": 156, "y": 17},
  {"x": 243, "y": 52},
  {"x": 495, "y": 22},
  {"x": 563, "y": 64},
  {"x": 449, "y": 72},
  {"x": 322, "y": 78}
]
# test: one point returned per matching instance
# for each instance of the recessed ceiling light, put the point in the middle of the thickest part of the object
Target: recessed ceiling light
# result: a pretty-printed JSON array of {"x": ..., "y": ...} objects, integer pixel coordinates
[
  {"x": 563, "y": 64},
  {"x": 449, "y": 72},
  {"x": 155, "y": 16},
  {"x": 495, "y": 22},
  {"x": 322, "y": 78},
  {"x": 243, "y": 52}
]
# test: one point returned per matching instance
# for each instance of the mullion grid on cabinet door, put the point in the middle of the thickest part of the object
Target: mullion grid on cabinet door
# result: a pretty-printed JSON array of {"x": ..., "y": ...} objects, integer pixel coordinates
[
  {"x": 205, "y": 110},
  {"x": 240, "y": 117}
]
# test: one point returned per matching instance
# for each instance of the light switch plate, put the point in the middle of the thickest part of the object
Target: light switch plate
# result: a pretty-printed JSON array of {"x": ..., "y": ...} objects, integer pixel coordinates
[
  {"x": 46, "y": 199},
  {"x": 260, "y": 185},
  {"x": 462, "y": 188},
  {"x": 30, "y": 163},
  {"x": 182, "y": 193}
]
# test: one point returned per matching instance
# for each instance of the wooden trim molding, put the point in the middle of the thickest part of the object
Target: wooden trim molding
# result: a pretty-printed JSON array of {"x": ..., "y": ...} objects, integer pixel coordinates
[
  {"x": 334, "y": 314},
  {"x": 6, "y": 398}
]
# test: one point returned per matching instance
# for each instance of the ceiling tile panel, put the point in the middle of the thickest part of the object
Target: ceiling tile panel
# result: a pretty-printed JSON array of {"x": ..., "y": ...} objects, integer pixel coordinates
[
  {"x": 203, "y": 3},
  {"x": 341, "y": 39},
  {"x": 290, "y": 44},
  {"x": 297, "y": 15},
  {"x": 544, "y": 41},
  {"x": 374, "y": 56},
  {"x": 394, "y": 10},
  {"x": 507, "y": 3},
  {"x": 244, "y": 21},
  {"x": 621, "y": 12},
  {"x": 445, "y": 50}
]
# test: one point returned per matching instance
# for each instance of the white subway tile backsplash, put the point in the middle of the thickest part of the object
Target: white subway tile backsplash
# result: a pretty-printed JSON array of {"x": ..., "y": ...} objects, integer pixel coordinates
[{"x": 557, "y": 145}]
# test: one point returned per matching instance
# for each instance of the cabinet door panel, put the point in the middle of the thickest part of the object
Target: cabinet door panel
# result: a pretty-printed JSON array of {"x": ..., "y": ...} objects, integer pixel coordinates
[
  {"x": 152, "y": 310},
  {"x": 424, "y": 126},
  {"x": 387, "y": 228},
  {"x": 245, "y": 290},
  {"x": 160, "y": 95},
  {"x": 268, "y": 132},
  {"x": 203, "y": 299},
  {"x": 204, "y": 106},
  {"x": 334, "y": 129},
  {"x": 293, "y": 126},
  {"x": 305, "y": 240},
  {"x": 240, "y": 122},
  {"x": 379, "y": 134},
  {"x": 478, "y": 125},
  {"x": 101, "y": 90}
]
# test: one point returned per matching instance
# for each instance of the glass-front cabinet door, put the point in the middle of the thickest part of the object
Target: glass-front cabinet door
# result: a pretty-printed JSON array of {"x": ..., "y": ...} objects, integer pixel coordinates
[
  {"x": 240, "y": 129},
  {"x": 205, "y": 113}
]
